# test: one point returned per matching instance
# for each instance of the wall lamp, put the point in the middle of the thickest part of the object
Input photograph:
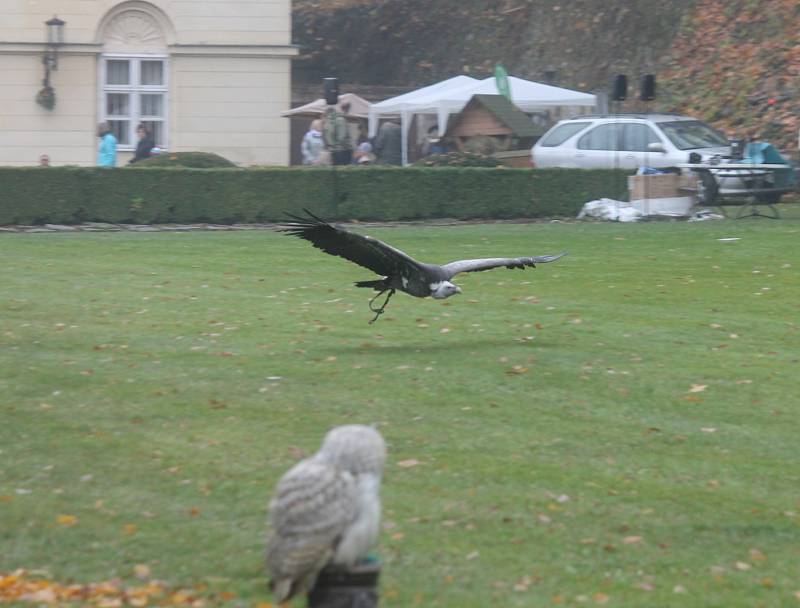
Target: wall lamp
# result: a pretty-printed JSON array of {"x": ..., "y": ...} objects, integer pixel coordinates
[{"x": 55, "y": 38}]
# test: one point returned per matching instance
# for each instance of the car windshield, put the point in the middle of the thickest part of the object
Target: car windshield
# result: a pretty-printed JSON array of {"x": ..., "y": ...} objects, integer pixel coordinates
[
  {"x": 561, "y": 133},
  {"x": 692, "y": 134}
]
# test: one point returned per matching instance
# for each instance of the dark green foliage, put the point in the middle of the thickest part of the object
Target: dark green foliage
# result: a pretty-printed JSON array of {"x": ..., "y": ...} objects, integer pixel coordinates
[
  {"x": 68, "y": 195},
  {"x": 193, "y": 160},
  {"x": 458, "y": 159}
]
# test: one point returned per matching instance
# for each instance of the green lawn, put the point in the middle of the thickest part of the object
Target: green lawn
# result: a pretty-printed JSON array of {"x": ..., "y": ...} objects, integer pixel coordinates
[{"x": 618, "y": 428}]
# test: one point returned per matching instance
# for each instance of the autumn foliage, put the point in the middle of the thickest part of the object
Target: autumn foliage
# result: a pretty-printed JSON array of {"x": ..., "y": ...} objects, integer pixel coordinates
[
  {"x": 732, "y": 64},
  {"x": 23, "y": 586}
]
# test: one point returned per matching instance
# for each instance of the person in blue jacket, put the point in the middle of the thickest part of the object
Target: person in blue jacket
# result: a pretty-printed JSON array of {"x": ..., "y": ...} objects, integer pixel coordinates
[{"x": 107, "y": 152}]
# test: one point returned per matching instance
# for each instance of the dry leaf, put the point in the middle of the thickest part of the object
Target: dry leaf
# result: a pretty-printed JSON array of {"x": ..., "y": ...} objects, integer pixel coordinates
[
  {"x": 141, "y": 571},
  {"x": 411, "y": 462},
  {"x": 698, "y": 388},
  {"x": 516, "y": 370},
  {"x": 67, "y": 520},
  {"x": 757, "y": 556}
]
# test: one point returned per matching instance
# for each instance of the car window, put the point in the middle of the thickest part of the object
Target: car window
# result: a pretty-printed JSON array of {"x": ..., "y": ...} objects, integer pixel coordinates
[
  {"x": 603, "y": 137},
  {"x": 691, "y": 134},
  {"x": 636, "y": 137},
  {"x": 561, "y": 133}
]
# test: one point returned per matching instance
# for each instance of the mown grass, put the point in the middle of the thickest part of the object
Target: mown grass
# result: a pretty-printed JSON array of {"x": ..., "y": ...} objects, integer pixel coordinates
[{"x": 618, "y": 428}]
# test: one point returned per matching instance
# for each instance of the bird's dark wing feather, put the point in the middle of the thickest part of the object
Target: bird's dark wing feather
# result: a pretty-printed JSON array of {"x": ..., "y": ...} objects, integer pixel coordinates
[
  {"x": 364, "y": 250},
  {"x": 453, "y": 268}
]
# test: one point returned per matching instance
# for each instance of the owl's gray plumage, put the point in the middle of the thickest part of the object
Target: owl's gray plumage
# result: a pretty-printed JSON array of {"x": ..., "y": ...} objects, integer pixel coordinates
[{"x": 326, "y": 509}]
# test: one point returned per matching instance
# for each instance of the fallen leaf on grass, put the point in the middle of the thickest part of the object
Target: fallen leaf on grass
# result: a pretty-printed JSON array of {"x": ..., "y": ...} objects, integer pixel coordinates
[
  {"x": 21, "y": 586},
  {"x": 411, "y": 462},
  {"x": 516, "y": 370},
  {"x": 141, "y": 571},
  {"x": 757, "y": 556},
  {"x": 67, "y": 520},
  {"x": 698, "y": 388}
]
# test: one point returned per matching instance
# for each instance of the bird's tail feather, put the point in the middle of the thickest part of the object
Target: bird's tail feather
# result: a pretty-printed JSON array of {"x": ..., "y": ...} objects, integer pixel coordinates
[
  {"x": 282, "y": 589},
  {"x": 377, "y": 285},
  {"x": 543, "y": 259}
]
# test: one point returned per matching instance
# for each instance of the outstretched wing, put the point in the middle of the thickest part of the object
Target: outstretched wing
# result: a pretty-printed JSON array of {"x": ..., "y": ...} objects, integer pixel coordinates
[
  {"x": 364, "y": 250},
  {"x": 312, "y": 508},
  {"x": 453, "y": 268}
]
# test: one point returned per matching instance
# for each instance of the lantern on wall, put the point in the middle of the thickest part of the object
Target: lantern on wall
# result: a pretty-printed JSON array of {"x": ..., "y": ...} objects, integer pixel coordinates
[{"x": 54, "y": 39}]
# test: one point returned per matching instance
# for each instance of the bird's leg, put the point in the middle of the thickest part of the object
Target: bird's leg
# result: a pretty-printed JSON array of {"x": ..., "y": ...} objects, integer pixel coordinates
[{"x": 379, "y": 311}]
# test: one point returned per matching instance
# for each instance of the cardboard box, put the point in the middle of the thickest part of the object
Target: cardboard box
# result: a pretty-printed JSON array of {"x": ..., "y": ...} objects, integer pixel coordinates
[{"x": 659, "y": 185}]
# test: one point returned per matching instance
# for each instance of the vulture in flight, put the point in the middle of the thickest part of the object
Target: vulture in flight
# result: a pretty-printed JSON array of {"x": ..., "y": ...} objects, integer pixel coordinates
[{"x": 398, "y": 270}]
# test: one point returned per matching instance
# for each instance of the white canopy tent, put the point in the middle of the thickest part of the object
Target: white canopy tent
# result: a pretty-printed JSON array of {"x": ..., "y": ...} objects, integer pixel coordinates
[{"x": 450, "y": 96}]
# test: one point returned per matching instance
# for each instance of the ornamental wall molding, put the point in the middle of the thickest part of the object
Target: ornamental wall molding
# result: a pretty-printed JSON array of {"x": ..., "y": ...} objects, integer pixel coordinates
[{"x": 135, "y": 27}]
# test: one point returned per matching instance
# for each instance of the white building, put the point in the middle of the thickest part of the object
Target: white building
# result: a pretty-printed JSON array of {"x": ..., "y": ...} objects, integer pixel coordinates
[{"x": 206, "y": 75}]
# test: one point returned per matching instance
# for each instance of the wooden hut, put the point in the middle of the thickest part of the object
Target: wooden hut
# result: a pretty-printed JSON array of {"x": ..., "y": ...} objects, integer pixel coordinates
[{"x": 490, "y": 124}]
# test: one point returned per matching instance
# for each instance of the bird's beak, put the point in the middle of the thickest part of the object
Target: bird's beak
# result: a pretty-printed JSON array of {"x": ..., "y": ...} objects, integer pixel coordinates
[{"x": 458, "y": 289}]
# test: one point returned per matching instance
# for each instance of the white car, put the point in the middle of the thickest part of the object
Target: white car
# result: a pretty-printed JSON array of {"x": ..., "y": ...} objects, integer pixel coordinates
[{"x": 627, "y": 141}]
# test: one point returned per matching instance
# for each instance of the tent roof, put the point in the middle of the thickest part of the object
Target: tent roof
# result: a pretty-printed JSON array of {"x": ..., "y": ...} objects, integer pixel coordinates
[
  {"x": 453, "y": 94},
  {"x": 359, "y": 107},
  {"x": 408, "y": 100}
]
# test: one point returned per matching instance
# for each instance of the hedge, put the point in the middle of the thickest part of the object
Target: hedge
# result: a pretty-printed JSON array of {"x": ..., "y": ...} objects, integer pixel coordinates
[{"x": 69, "y": 195}]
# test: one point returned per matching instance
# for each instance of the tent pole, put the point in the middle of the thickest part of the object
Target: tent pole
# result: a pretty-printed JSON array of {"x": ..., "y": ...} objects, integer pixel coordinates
[{"x": 404, "y": 137}]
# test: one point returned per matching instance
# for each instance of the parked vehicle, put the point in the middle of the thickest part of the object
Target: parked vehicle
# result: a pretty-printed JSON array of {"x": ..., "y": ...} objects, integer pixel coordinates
[
  {"x": 630, "y": 141},
  {"x": 627, "y": 141}
]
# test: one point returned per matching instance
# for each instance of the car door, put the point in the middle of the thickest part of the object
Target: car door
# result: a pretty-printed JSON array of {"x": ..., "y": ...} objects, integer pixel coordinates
[
  {"x": 598, "y": 148},
  {"x": 617, "y": 145},
  {"x": 634, "y": 146}
]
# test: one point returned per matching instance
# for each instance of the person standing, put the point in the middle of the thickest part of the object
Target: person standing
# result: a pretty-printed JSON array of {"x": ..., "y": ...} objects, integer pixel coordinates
[
  {"x": 107, "y": 152},
  {"x": 312, "y": 147},
  {"x": 388, "y": 144},
  {"x": 337, "y": 135},
  {"x": 145, "y": 145}
]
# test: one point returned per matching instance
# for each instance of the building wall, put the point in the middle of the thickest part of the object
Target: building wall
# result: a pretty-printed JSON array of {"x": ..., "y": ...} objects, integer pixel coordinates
[{"x": 228, "y": 66}]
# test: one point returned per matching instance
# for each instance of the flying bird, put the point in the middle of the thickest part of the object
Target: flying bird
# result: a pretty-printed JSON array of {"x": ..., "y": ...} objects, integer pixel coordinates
[
  {"x": 399, "y": 270},
  {"x": 326, "y": 510}
]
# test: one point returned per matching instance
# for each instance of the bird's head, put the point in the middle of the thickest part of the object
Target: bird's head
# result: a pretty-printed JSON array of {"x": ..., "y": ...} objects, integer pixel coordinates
[
  {"x": 443, "y": 290},
  {"x": 355, "y": 448}
]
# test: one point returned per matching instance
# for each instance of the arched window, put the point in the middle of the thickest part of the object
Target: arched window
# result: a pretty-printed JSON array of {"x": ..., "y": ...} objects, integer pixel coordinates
[{"x": 133, "y": 73}]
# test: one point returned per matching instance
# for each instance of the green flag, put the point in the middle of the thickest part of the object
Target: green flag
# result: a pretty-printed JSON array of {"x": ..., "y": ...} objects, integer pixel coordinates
[{"x": 501, "y": 80}]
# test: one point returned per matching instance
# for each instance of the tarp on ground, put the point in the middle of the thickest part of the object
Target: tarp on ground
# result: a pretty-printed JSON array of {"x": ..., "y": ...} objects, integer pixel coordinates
[{"x": 450, "y": 96}]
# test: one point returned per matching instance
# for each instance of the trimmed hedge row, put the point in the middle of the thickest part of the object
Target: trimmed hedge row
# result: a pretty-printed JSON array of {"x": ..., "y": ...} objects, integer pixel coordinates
[{"x": 68, "y": 195}]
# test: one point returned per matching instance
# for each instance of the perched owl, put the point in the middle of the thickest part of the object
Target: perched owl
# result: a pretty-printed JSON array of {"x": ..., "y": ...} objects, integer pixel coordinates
[{"x": 326, "y": 509}]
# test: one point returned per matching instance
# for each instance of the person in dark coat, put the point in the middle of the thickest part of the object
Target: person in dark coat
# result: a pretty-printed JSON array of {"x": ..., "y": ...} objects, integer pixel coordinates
[
  {"x": 145, "y": 145},
  {"x": 388, "y": 146}
]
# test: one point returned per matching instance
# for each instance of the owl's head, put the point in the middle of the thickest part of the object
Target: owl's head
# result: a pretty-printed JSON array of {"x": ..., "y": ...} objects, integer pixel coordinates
[{"x": 356, "y": 448}]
